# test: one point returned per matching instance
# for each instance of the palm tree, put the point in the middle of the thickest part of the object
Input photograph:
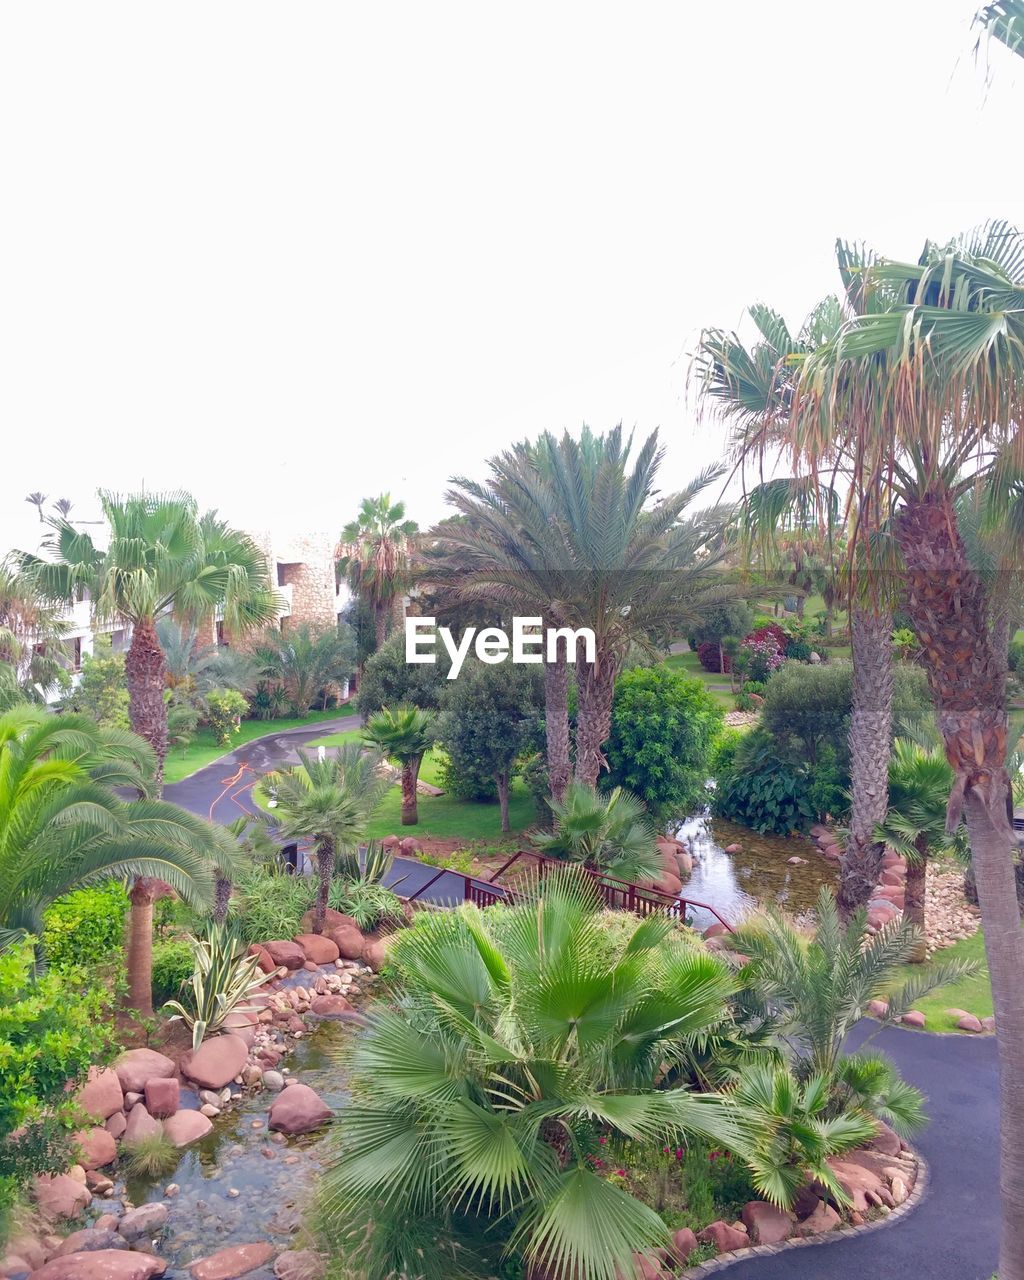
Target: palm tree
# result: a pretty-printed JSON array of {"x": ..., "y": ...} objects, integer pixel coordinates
[
  {"x": 33, "y": 637},
  {"x": 605, "y": 833},
  {"x": 63, "y": 826},
  {"x": 1004, "y": 21},
  {"x": 920, "y": 780},
  {"x": 36, "y": 500},
  {"x": 330, "y": 802},
  {"x": 375, "y": 553},
  {"x": 161, "y": 557},
  {"x": 305, "y": 662},
  {"x": 518, "y": 1043},
  {"x": 402, "y": 733}
]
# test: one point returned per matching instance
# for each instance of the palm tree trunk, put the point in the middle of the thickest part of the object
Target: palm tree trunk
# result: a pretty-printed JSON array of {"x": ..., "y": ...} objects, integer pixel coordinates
[
  {"x": 947, "y": 603},
  {"x": 144, "y": 893},
  {"x": 222, "y": 896},
  {"x": 914, "y": 897},
  {"x": 410, "y": 774},
  {"x": 556, "y": 721},
  {"x": 870, "y": 741},
  {"x": 380, "y": 624},
  {"x": 502, "y": 779},
  {"x": 595, "y": 682},
  {"x": 324, "y": 876},
  {"x": 145, "y": 674}
]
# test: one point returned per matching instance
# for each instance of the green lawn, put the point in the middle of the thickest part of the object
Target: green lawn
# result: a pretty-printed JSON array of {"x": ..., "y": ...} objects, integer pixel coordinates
[
  {"x": 204, "y": 748},
  {"x": 688, "y": 664},
  {"x": 974, "y": 995}
]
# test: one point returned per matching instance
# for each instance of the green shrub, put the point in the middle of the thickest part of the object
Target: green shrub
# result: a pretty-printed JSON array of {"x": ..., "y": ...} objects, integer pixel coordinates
[
  {"x": 224, "y": 711},
  {"x": 367, "y": 903},
  {"x": 388, "y": 679},
  {"x": 223, "y": 978},
  {"x": 272, "y": 906},
  {"x": 86, "y": 928},
  {"x": 761, "y": 791},
  {"x": 172, "y": 966},
  {"x": 1016, "y": 655},
  {"x": 102, "y": 690}
]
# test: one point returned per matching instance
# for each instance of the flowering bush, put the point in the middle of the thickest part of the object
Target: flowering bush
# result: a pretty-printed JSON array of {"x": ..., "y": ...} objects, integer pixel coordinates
[
  {"x": 764, "y": 656},
  {"x": 711, "y": 657}
]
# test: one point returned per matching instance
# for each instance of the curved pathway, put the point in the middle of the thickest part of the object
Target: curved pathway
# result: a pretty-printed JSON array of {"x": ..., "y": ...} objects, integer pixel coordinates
[{"x": 952, "y": 1235}]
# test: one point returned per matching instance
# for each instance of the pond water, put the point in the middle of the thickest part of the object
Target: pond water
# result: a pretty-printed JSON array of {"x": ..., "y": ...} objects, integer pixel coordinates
[{"x": 736, "y": 883}]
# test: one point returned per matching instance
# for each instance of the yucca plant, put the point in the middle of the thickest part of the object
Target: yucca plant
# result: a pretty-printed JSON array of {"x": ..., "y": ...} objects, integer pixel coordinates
[
  {"x": 370, "y": 863},
  {"x": 224, "y": 978}
]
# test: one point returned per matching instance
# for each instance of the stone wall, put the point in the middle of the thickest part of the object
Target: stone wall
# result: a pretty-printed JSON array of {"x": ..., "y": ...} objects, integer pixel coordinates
[{"x": 306, "y": 564}]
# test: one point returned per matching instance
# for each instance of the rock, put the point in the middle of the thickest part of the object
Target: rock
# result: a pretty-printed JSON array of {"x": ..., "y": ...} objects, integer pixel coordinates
[
  {"x": 645, "y": 1268},
  {"x": 349, "y": 941},
  {"x": 145, "y": 1221},
  {"x": 140, "y": 1124},
  {"x": 217, "y": 1061},
  {"x": 265, "y": 960},
  {"x": 893, "y": 878},
  {"x": 723, "y": 1237},
  {"x": 715, "y": 930},
  {"x": 101, "y": 1095},
  {"x": 97, "y": 1147},
  {"x": 796, "y": 862},
  {"x": 988, "y": 1024},
  {"x": 273, "y": 1080},
  {"x": 885, "y": 1140},
  {"x": 298, "y": 1110},
  {"x": 60, "y": 1196},
  {"x": 685, "y": 1242},
  {"x": 410, "y": 847},
  {"x": 288, "y": 954},
  {"x": 13, "y": 1266},
  {"x": 187, "y": 1126},
  {"x": 98, "y": 1183},
  {"x": 211, "y": 1096},
  {"x": 115, "y": 1124},
  {"x": 878, "y": 1008},
  {"x": 823, "y": 1218},
  {"x": 299, "y": 1264},
  {"x": 89, "y": 1239},
  {"x": 209, "y": 1110},
  {"x": 319, "y": 949},
  {"x": 879, "y": 916},
  {"x": 970, "y": 1023},
  {"x": 376, "y": 953},
  {"x": 765, "y": 1223},
  {"x": 669, "y": 884},
  {"x": 729, "y": 848},
  {"x": 77, "y": 1172},
  {"x": 106, "y": 1220},
  {"x": 330, "y": 1006},
  {"x": 332, "y": 920},
  {"x": 28, "y": 1249},
  {"x": 684, "y": 861},
  {"x": 102, "y": 1264},
  {"x": 252, "y": 1075},
  {"x": 137, "y": 1066},
  {"x": 162, "y": 1097},
  {"x": 865, "y": 1188},
  {"x": 130, "y": 1099},
  {"x": 914, "y": 1018},
  {"x": 233, "y": 1261},
  {"x": 899, "y": 1190}
]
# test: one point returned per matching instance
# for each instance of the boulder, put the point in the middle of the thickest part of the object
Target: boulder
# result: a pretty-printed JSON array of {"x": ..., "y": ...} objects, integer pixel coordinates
[
  {"x": 97, "y": 1147},
  {"x": 647, "y": 1268},
  {"x": 821, "y": 1219},
  {"x": 187, "y": 1126},
  {"x": 723, "y": 1237},
  {"x": 298, "y": 1110},
  {"x": 879, "y": 916},
  {"x": 730, "y": 848},
  {"x": 684, "y": 862},
  {"x": 349, "y": 941},
  {"x": 878, "y": 1008},
  {"x": 140, "y": 1124},
  {"x": 915, "y": 1018},
  {"x": 410, "y": 847},
  {"x": 97, "y": 1182},
  {"x": 285, "y": 953},
  {"x": 885, "y": 1140},
  {"x": 144, "y": 1222},
  {"x": 684, "y": 1242},
  {"x": 102, "y": 1264},
  {"x": 266, "y": 960},
  {"x": 235, "y": 1260},
  {"x": 970, "y": 1023},
  {"x": 273, "y": 1080},
  {"x": 299, "y": 1264},
  {"x": 11, "y": 1265},
  {"x": 893, "y": 878},
  {"x": 115, "y": 1125},
  {"x": 217, "y": 1061},
  {"x": 329, "y": 1006},
  {"x": 162, "y": 1097},
  {"x": 865, "y": 1188},
  {"x": 765, "y": 1223},
  {"x": 391, "y": 842},
  {"x": 988, "y": 1024},
  {"x": 332, "y": 920},
  {"x": 28, "y": 1249},
  {"x": 137, "y": 1066},
  {"x": 715, "y": 930},
  {"x": 106, "y": 1220},
  {"x": 101, "y": 1095},
  {"x": 669, "y": 884},
  {"x": 88, "y": 1240},
  {"x": 60, "y": 1196},
  {"x": 318, "y": 948},
  {"x": 375, "y": 953}
]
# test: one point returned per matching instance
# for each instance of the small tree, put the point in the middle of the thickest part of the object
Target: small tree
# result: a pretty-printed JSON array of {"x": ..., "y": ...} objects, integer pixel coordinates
[
  {"x": 492, "y": 719},
  {"x": 403, "y": 733},
  {"x": 725, "y": 618},
  {"x": 388, "y": 679},
  {"x": 103, "y": 691},
  {"x": 224, "y": 711}
]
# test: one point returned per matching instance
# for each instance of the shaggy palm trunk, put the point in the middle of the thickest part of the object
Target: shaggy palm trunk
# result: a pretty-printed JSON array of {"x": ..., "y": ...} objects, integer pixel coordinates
[
  {"x": 380, "y": 623},
  {"x": 870, "y": 741},
  {"x": 556, "y": 721},
  {"x": 145, "y": 671},
  {"x": 324, "y": 876},
  {"x": 410, "y": 776},
  {"x": 914, "y": 896},
  {"x": 222, "y": 896},
  {"x": 144, "y": 893},
  {"x": 595, "y": 682},
  {"x": 502, "y": 780},
  {"x": 946, "y": 601}
]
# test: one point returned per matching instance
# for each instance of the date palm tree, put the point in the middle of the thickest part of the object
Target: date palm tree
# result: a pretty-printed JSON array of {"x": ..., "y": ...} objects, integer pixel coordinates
[
  {"x": 330, "y": 802},
  {"x": 403, "y": 733},
  {"x": 375, "y": 554},
  {"x": 33, "y": 637},
  {"x": 305, "y": 662}
]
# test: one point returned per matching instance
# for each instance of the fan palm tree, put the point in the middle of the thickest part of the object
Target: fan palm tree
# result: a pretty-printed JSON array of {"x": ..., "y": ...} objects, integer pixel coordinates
[
  {"x": 609, "y": 833},
  {"x": 330, "y": 802},
  {"x": 515, "y": 1045},
  {"x": 63, "y": 826},
  {"x": 375, "y": 554},
  {"x": 403, "y": 733},
  {"x": 195, "y": 669},
  {"x": 305, "y": 662},
  {"x": 161, "y": 557},
  {"x": 920, "y": 780}
]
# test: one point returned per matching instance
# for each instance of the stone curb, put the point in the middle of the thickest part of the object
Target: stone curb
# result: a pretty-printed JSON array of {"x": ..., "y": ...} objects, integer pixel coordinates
[{"x": 725, "y": 1260}]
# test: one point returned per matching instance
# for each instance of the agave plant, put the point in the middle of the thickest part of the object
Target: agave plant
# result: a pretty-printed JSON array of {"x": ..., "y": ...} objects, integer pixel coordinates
[{"x": 223, "y": 979}]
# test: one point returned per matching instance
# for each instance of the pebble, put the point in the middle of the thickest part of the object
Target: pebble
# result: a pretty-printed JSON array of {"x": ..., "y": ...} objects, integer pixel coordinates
[
  {"x": 233, "y": 1192},
  {"x": 171, "y": 1190}
]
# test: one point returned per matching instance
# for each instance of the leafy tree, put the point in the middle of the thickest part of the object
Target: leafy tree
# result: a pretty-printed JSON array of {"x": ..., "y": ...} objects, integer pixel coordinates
[
  {"x": 403, "y": 733},
  {"x": 194, "y": 668},
  {"x": 663, "y": 727},
  {"x": 102, "y": 690},
  {"x": 722, "y": 621},
  {"x": 376, "y": 554},
  {"x": 305, "y": 661},
  {"x": 224, "y": 710},
  {"x": 388, "y": 679},
  {"x": 517, "y": 1043},
  {"x": 609, "y": 833},
  {"x": 491, "y": 720}
]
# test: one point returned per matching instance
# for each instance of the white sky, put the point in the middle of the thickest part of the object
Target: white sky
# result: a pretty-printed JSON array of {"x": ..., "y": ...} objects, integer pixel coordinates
[{"x": 288, "y": 255}]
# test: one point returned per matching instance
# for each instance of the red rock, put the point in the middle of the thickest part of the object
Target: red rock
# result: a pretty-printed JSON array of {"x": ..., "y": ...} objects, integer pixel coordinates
[
  {"x": 893, "y": 878},
  {"x": 217, "y": 1061},
  {"x": 97, "y": 1147},
  {"x": 162, "y": 1097},
  {"x": 332, "y": 920},
  {"x": 915, "y": 1018},
  {"x": 375, "y": 954},
  {"x": 102, "y": 1264},
  {"x": 729, "y": 848},
  {"x": 116, "y": 1124},
  {"x": 879, "y": 916},
  {"x": 669, "y": 884},
  {"x": 29, "y": 1249},
  {"x": 823, "y": 1218},
  {"x": 765, "y": 1223},
  {"x": 684, "y": 861},
  {"x": 187, "y": 1126},
  {"x": 299, "y": 1264},
  {"x": 60, "y": 1196},
  {"x": 288, "y": 954},
  {"x": 89, "y": 1239},
  {"x": 891, "y": 859},
  {"x": 97, "y": 1182},
  {"x": 144, "y": 1222},
  {"x": 684, "y": 1242},
  {"x": 646, "y": 1268},
  {"x": 391, "y": 842},
  {"x": 328, "y": 1006},
  {"x": 715, "y": 930},
  {"x": 13, "y": 1265},
  {"x": 318, "y": 948},
  {"x": 970, "y": 1023},
  {"x": 410, "y": 847},
  {"x": 885, "y": 1140},
  {"x": 233, "y": 1261},
  {"x": 878, "y": 1008},
  {"x": 723, "y": 1237},
  {"x": 865, "y": 1189},
  {"x": 266, "y": 960},
  {"x": 140, "y": 1124},
  {"x": 298, "y": 1110},
  {"x": 349, "y": 941},
  {"x": 896, "y": 896},
  {"x": 135, "y": 1067},
  {"x": 988, "y": 1024},
  {"x": 101, "y": 1095}
]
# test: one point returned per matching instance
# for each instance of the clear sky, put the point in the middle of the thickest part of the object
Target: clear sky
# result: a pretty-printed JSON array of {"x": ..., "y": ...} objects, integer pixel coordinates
[{"x": 288, "y": 255}]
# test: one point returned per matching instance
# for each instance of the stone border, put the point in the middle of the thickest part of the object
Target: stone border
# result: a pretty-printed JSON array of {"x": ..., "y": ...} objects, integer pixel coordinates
[{"x": 725, "y": 1260}]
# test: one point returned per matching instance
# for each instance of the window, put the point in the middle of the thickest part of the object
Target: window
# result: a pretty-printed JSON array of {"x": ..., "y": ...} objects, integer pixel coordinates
[{"x": 76, "y": 654}]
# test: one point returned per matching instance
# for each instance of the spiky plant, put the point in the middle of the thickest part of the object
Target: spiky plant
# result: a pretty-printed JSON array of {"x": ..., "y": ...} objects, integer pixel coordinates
[
  {"x": 224, "y": 978},
  {"x": 150, "y": 1156},
  {"x": 609, "y": 833},
  {"x": 403, "y": 733}
]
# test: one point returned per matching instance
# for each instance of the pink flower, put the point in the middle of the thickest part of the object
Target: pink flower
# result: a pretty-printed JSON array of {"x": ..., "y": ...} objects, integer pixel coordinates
[{"x": 602, "y": 1141}]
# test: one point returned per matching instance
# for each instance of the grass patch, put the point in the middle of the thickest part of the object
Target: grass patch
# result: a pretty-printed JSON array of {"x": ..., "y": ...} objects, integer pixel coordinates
[
  {"x": 974, "y": 995},
  {"x": 689, "y": 665},
  {"x": 204, "y": 748}
]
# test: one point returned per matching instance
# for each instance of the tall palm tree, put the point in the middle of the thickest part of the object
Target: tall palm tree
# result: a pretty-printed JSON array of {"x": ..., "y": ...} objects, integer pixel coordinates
[
  {"x": 33, "y": 636},
  {"x": 63, "y": 826},
  {"x": 752, "y": 387},
  {"x": 305, "y": 662},
  {"x": 161, "y": 557},
  {"x": 330, "y": 802},
  {"x": 921, "y": 391},
  {"x": 403, "y": 733},
  {"x": 375, "y": 553}
]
